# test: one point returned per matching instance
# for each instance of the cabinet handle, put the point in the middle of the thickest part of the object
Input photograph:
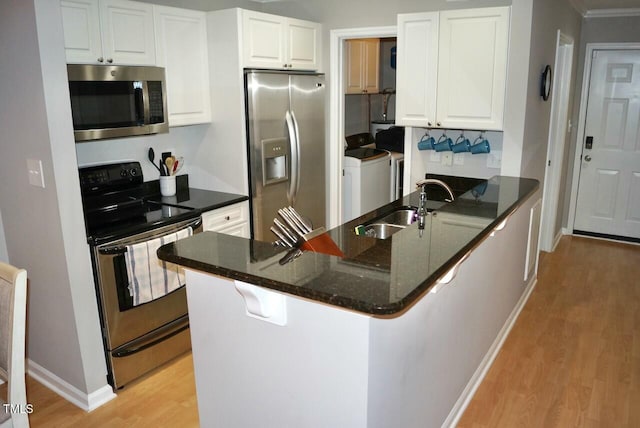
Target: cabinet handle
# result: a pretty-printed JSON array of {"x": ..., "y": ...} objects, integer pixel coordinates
[
  {"x": 100, "y": 59},
  {"x": 429, "y": 124},
  {"x": 109, "y": 60},
  {"x": 227, "y": 218},
  {"x": 438, "y": 124}
]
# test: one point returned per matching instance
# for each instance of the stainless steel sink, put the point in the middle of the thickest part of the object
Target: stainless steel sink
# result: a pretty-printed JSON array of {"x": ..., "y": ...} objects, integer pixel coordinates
[
  {"x": 381, "y": 230},
  {"x": 401, "y": 217},
  {"x": 385, "y": 226}
]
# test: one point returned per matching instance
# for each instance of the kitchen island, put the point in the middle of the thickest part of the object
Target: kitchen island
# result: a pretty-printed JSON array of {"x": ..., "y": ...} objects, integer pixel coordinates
[{"x": 398, "y": 332}]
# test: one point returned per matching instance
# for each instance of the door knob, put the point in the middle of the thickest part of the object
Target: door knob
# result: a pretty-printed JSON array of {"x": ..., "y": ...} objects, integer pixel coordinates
[{"x": 587, "y": 158}]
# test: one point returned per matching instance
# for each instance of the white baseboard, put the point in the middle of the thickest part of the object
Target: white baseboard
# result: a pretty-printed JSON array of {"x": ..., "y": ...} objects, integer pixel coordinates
[
  {"x": 556, "y": 241},
  {"x": 86, "y": 402},
  {"x": 567, "y": 231},
  {"x": 477, "y": 378}
]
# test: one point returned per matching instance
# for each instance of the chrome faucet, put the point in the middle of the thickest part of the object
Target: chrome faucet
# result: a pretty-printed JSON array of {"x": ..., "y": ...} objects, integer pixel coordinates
[{"x": 422, "y": 210}]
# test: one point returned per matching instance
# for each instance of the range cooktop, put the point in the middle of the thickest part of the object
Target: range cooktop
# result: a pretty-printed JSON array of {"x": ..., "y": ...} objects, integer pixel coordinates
[{"x": 118, "y": 203}]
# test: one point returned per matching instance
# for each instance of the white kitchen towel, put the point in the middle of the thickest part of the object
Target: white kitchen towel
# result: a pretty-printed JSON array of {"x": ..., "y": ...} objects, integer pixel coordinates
[{"x": 149, "y": 277}]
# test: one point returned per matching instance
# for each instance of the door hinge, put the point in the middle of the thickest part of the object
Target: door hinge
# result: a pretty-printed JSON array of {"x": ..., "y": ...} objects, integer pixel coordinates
[{"x": 549, "y": 163}]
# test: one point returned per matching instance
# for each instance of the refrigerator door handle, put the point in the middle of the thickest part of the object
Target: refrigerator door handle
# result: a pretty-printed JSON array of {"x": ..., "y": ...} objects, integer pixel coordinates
[
  {"x": 297, "y": 161},
  {"x": 295, "y": 167}
]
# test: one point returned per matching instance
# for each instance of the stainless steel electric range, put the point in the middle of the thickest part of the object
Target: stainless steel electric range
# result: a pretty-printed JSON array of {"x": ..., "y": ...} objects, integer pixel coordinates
[{"x": 123, "y": 215}]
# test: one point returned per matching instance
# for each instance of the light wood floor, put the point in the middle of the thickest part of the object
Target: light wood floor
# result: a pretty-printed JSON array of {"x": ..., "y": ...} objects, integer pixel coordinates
[
  {"x": 571, "y": 359},
  {"x": 573, "y": 356}
]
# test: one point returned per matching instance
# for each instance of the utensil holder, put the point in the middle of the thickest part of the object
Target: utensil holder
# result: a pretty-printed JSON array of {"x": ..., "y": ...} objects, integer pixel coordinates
[{"x": 167, "y": 185}]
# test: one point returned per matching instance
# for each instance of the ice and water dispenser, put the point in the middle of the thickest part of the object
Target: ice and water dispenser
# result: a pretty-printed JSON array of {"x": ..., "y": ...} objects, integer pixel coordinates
[{"x": 274, "y": 161}]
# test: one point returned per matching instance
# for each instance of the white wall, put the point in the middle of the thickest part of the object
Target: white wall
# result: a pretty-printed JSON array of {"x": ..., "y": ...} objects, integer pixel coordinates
[
  {"x": 184, "y": 141},
  {"x": 4, "y": 254},
  {"x": 549, "y": 16},
  {"x": 44, "y": 228}
]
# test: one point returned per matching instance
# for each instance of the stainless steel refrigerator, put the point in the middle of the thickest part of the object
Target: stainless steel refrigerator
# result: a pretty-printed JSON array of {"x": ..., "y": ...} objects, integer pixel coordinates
[{"x": 286, "y": 146}]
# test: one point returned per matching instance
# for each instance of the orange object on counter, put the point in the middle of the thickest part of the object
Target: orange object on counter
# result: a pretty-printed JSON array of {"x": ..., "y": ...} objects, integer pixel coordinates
[{"x": 319, "y": 241}]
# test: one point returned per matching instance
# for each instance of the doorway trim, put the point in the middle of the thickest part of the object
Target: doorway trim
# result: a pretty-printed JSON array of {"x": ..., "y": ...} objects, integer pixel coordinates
[
  {"x": 590, "y": 48},
  {"x": 563, "y": 67},
  {"x": 336, "y": 109}
]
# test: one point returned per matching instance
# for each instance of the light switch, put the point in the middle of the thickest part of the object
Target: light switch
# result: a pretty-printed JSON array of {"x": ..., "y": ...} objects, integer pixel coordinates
[{"x": 36, "y": 177}]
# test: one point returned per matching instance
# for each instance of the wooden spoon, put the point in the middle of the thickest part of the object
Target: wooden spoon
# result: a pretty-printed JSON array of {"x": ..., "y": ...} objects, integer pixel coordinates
[{"x": 169, "y": 163}]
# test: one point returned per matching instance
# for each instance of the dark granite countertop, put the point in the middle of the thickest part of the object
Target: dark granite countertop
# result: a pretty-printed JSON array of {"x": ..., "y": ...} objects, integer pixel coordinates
[
  {"x": 380, "y": 277},
  {"x": 199, "y": 199}
]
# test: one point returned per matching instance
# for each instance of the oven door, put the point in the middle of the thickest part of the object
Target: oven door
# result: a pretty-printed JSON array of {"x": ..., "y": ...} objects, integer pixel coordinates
[
  {"x": 139, "y": 338},
  {"x": 122, "y": 322}
]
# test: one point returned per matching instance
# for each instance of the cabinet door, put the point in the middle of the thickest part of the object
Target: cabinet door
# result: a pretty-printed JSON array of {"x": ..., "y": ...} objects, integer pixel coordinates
[
  {"x": 187, "y": 69},
  {"x": 417, "y": 53},
  {"x": 81, "y": 25},
  {"x": 472, "y": 67},
  {"x": 354, "y": 52},
  {"x": 127, "y": 32},
  {"x": 263, "y": 40},
  {"x": 303, "y": 45},
  {"x": 371, "y": 61}
]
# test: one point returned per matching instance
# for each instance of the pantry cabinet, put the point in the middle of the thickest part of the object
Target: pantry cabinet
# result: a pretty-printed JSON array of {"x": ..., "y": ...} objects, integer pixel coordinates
[
  {"x": 276, "y": 42},
  {"x": 362, "y": 66},
  {"x": 181, "y": 47},
  {"x": 108, "y": 32},
  {"x": 463, "y": 54}
]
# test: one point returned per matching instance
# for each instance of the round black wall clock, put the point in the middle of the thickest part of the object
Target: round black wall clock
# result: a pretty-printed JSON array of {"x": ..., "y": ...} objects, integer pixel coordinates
[{"x": 545, "y": 83}]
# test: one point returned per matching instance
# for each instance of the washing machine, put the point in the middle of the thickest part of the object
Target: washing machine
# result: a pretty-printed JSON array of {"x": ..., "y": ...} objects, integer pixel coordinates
[{"x": 367, "y": 179}]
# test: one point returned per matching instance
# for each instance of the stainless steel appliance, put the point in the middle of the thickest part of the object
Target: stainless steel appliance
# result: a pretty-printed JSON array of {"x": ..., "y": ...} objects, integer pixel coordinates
[
  {"x": 286, "y": 147},
  {"x": 109, "y": 101},
  {"x": 118, "y": 214}
]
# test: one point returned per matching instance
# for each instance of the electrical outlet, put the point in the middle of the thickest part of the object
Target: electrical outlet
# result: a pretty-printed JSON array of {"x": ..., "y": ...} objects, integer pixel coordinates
[
  {"x": 494, "y": 159},
  {"x": 36, "y": 177},
  {"x": 447, "y": 158},
  {"x": 458, "y": 159}
]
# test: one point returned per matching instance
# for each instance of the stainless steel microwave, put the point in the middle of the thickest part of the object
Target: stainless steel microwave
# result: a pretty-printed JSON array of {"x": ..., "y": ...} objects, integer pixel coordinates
[{"x": 110, "y": 101}]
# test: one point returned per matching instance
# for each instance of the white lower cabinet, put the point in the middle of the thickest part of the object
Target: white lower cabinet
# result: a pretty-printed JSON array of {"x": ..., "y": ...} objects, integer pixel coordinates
[
  {"x": 181, "y": 48},
  {"x": 232, "y": 220}
]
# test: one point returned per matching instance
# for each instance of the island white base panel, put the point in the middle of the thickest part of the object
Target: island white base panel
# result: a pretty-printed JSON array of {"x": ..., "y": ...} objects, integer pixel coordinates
[{"x": 331, "y": 367}]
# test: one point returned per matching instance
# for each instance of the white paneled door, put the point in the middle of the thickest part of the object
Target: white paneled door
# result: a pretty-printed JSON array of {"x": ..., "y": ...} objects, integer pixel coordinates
[{"x": 609, "y": 190}]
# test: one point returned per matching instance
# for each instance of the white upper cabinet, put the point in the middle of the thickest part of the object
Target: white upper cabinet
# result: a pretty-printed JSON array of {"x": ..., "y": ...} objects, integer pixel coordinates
[
  {"x": 472, "y": 68},
  {"x": 108, "y": 31},
  {"x": 469, "y": 48},
  {"x": 277, "y": 42},
  {"x": 416, "y": 69},
  {"x": 363, "y": 62},
  {"x": 181, "y": 48}
]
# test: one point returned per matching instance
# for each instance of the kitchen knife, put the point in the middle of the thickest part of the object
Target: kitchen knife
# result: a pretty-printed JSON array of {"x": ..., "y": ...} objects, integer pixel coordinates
[
  {"x": 285, "y": 230},
  {"x": 290, "y": 222},
  {"x": 305, "y": 223}
]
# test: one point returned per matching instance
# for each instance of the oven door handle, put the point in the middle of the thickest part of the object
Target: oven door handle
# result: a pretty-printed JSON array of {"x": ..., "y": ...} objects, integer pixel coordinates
[
  {"x": 121, "y": 249},
  {"x": 153, "y": 338}
]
